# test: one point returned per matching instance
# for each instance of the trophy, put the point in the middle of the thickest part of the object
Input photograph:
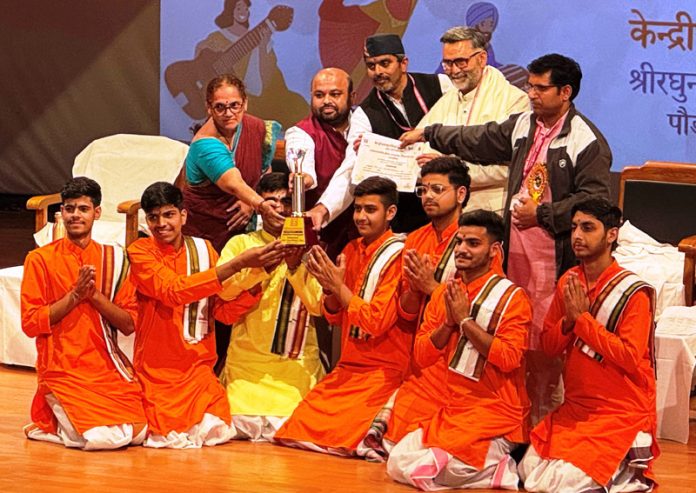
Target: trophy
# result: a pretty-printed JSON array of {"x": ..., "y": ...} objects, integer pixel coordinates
[{"x": 297, "y": 229}]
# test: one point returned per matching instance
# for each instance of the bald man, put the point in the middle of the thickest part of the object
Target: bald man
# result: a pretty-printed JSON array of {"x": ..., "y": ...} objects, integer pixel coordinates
[{"x": 322, "y": 136}]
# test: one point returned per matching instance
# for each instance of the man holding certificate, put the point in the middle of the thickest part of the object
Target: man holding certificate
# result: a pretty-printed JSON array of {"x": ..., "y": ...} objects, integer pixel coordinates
[{"x": 397, "y": 102}]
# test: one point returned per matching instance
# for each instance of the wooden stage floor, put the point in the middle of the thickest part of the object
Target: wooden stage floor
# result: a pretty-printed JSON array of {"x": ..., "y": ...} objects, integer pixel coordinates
[{"x": 37, "y": 467}]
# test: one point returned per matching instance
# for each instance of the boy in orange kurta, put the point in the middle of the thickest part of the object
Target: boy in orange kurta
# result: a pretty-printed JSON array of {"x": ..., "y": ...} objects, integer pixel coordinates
[
  {"x": 71, "y": 303},
  {"x": 478, "y": 323},
  {"x": 360, "y": 297},
  {"x": 176, "y": 281},
  {"x": 428, "y": 260},
  {"x": 603, "y": 436}
]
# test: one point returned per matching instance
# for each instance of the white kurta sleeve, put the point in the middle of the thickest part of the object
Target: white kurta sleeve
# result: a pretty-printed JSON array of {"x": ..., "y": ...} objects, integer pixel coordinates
[
  {"x": 295, "y": 139},
  {"x": 339, "y": 193}
]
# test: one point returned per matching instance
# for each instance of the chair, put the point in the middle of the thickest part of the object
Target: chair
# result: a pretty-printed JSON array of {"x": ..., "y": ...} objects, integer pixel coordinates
[
  {"x": 659, "y": 198},
  {"x": 124, "y": 165}
]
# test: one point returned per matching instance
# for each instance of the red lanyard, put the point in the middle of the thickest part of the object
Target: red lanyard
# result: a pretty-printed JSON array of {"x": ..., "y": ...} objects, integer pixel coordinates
[{"x": 419, "y": 98}]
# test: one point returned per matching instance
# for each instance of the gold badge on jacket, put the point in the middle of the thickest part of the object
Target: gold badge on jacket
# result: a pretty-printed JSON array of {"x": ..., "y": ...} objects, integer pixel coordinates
[{"x": 537, "y": 179}]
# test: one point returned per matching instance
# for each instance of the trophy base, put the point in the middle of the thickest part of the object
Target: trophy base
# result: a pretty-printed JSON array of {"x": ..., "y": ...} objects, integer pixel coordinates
[{"x": 298, "y": 231}]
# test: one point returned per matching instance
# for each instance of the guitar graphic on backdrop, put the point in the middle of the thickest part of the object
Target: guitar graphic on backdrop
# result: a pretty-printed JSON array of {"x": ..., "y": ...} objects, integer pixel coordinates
[{"x": 187, "y": 79}]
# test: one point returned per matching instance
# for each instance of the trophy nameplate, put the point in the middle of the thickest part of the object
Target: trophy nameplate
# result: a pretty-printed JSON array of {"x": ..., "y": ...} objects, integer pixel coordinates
[{"x": 298, "y": 229}]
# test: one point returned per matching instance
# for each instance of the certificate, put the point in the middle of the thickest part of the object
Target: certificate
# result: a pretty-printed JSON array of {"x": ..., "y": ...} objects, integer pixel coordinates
[{"x": 381, "y": 156}]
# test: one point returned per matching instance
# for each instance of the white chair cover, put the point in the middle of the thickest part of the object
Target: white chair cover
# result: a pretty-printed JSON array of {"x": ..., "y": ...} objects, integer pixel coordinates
[
  {"x": 659, "y": 264},
  {"x": 124, "y": 165}
]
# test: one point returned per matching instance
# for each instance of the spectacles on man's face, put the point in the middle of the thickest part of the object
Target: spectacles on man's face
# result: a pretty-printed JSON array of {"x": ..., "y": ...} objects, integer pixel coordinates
[
  {"x": 435, "y": 188},
  {"x": 221, "y": 108},
  {"x": 538, "y": 88},
  {"x": 461, "y": 62}
]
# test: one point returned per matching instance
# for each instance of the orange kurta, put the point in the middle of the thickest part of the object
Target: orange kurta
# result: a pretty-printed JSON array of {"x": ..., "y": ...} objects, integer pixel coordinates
[
  {"x": 73, "y": 362},
  {"x": 338, "y": 411},
  {"x": 496, "y": 405},
  {"x": 606, "y": 403},
  {"x": 177, "y": 377},
  {"x": 422, "y": 394}
]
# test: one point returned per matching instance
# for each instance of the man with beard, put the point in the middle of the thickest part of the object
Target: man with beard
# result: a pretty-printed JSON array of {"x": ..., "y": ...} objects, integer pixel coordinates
[
  {"x": 397, "y": 102},
  {"x": 478, "y": 324},
  {"x": 603, "y": 437},
  {"x": 320, "y": 140},
  {"x": 481, "y": 95},
  {"x": 428, "y": 260}
]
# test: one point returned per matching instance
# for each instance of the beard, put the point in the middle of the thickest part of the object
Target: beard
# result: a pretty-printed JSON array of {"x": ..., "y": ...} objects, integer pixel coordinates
[
  {"x": 384, "y": 84},
  {"x": 334, "y": 119},
  {"x": 466, "y": 81}
]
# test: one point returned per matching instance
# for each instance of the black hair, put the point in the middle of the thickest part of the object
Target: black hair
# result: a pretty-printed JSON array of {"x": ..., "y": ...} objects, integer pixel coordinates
[
  {"x": 81, "y": 186},
  {"x": 564, "y": 71},
  {"x": 456, "y": 170},
  {"x": 222, "y": 81},
  {"x": 160, "y": 194},
  {"x": 495, "y": 227},
  {"x": 601, "y": 209},
  {"x": 271, "y": 182},
  {"x": 378, "y": 185}
]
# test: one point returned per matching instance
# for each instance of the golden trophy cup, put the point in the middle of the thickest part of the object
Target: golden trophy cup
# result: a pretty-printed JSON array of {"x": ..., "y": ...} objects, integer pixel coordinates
[{"x": 298, "y": 229}]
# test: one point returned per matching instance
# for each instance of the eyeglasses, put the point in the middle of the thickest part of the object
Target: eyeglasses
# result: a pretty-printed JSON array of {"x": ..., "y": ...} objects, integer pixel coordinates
[
  {"x": 221, "y": 108},
  {"x": 461, "y": 62},
  {"x": 435, "y": 188},
  {"x": 538, "y": 88}
]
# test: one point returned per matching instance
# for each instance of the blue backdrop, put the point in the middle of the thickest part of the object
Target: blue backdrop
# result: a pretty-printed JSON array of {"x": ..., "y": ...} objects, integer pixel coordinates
[{"x": 638, "y": 58}]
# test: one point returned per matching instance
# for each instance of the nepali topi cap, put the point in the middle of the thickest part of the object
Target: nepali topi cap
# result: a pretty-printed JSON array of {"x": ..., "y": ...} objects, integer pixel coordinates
[{"x": 383, "y": 44}]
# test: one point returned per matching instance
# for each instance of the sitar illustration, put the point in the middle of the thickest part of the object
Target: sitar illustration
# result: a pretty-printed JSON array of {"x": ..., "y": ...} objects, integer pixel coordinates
[{"x": 187, "y": 79}]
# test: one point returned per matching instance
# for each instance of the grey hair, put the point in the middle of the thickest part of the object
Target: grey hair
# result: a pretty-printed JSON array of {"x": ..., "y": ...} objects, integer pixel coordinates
[{"x": 463, "y": 33}]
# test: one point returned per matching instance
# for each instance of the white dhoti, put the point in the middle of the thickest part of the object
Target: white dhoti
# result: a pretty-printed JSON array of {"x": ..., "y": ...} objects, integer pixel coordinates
[
  {"x": 559, "y": 476},
  {"x": 211, "y": 430},
  {"x": 432, "y": 469},
  {"x": 97, "y": 438},
  {"x": 257, "y": 428}
]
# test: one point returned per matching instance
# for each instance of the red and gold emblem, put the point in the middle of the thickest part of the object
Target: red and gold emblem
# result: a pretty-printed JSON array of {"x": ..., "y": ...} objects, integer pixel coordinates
[{"x": 537, "y": 179}]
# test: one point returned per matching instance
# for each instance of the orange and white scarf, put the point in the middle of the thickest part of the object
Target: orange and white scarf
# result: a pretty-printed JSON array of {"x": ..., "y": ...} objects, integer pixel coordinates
[
  {"x": 198, "y": 316},
  {"x": 114, "y": 270},
  {"x": 487, "y": 310}
]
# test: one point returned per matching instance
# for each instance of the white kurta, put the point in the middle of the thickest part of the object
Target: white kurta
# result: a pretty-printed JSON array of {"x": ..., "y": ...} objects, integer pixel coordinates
[{"x": 495, "y": 99}]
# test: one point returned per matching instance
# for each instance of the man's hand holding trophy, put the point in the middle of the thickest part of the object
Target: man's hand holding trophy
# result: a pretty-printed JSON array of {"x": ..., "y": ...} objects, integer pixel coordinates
[{"x": 297, "y": 229}]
